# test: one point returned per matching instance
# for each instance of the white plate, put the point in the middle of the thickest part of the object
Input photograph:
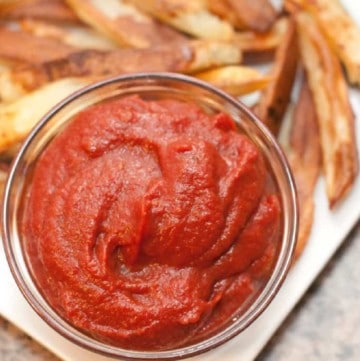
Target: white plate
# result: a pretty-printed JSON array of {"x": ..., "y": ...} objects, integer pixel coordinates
[{"x": 329, "y": 230}]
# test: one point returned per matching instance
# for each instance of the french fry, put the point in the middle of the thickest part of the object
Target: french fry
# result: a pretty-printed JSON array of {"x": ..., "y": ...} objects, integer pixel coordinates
[
  {"x": 4, "y": 4},
  {"x": 123, "y": 23},
  {"x": 206, "y": 54},
  {"x": 19, "y": 117},
  {"x": 236, "y": 80},
  {"x": 275, "y": 98},
  {"x": 336, "y": 119},
  {"x": 223, "y": 9},
  {"x": 47, "y": 10},
  {"x": 257, "y": 15},
  {"x": 187, "y": 57},
  {"x": 8, "y": 155},
  {"x": 3, "y": 66},
  {"x": 341, "y": 31},
  {"x": 4, "y": 169},
  {"x": 191, "y": 17},
  {"x": 9, "y": 90},
  {"x": 304, "y": 157},
  {"x": 46, "y": 49},
  {"x": 258, "y": 44},
  {"x": 74, "y": 35}
]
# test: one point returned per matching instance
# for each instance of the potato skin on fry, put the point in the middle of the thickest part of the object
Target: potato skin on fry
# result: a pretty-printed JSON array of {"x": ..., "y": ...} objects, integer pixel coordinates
[
  {"x": 342, "y": 32},
  {"x": 186, "y": 57},
  {"x": 257, "y": 15},
  {"x": 47, "y": 10},
  {"x": 304, "y": 156},
  {"x": 123, "y": 23},
  {"x": 336, "y": 119},
  {"x": 46, "y": 49},
  {"x": 254, "y": 15},
  {"x": 223, "y": 9},
  {"x": 275, "y": 98}
]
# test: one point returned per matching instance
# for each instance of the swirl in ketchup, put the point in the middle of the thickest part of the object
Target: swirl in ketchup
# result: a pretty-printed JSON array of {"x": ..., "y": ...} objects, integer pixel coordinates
[{"x": 149, "y": 224}]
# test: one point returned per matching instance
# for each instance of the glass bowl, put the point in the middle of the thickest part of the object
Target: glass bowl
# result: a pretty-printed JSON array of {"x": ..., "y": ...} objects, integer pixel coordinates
[{"x": 150, "y": 86}]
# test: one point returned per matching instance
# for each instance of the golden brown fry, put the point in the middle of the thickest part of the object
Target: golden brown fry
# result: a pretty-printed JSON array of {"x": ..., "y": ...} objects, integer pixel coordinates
[
  {"x": 187, "y": 57},
  {"x": 223, "y": 9},
  {"x": 305, "y": 161},
  {"x": 3, "y": 66},
  {"x": 304, "y": 134},
  {"x": 257, "y": 15},
  {"x": 200, "y": 55},
  {"x": 191, "y": 17},
  {"x": 275, "y": 98},
  {"x": 47, "y": 10},
  {"x": 19, "y": 117},
  {"x": 336, "y": 119},
  {"x": 236, "y": 80},
  {"x": 4, "y": 169},
  {"x": 74, "y": 35},
  {"x": 9, "y": 90},
  {"x": 5, "y": 4},
  {"x": 123, "y": 23},
  {"x": 8, "y": 155},
  {"x": 251, "y": 42},
  {"x": 29, "y": 48},
  {"x": 292, "y": 6},
  {"x": 341, "y": 31}
]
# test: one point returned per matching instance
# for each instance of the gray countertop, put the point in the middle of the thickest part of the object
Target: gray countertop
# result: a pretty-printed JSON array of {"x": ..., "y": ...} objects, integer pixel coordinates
[{"x": 325, "y": 325}]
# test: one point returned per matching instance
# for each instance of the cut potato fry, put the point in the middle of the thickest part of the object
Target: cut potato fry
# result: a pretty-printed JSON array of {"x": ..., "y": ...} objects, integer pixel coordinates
[
  {"x": 3, "y": 67},
  {"x": 305, "y": 161},
  {"x": 19, "y": 117},
  {"x": 47, "y": 10},
  {"x": 341, "y": 31},
  {"x": 336, "y": 119},
  {"x": 223, "y": 9},
  {"x": 254, "y": 42},
  {"x": 236, "y": 80},
  {"x": 4, "y": 170},
  {"x": 46, "y": 49},
  {"x": 73, "y": 35},
  {"x": 276, "y": 96},
  {"x": 187, "y": 57},
  {"x": 4, "y": 4},
  {"x": 8, "y": 155},
  {"x": 205, "y": 54},
  {"x": 123, "y": 23},
  {"x": 257, "y": 15},
  {"x": 191, "y": 17},
  {"x": 9, "y": 89}
]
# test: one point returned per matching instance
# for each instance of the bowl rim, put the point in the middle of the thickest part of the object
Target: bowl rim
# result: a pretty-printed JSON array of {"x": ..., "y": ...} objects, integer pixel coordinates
[{"x": 186, "y": 351}]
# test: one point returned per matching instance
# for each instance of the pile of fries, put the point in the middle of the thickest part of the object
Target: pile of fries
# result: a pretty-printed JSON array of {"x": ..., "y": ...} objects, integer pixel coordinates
[{"x": 50, "y": 48}]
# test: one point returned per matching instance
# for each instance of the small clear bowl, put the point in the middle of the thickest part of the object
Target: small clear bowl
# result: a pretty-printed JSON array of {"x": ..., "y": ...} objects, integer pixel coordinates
[{"x": 153, "y": 86}]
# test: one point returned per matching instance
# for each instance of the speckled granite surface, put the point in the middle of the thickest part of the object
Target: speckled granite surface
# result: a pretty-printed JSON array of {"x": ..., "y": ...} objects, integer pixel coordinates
[
  {"x": 17, "y": 346},
  {"x": 324, "y": 326}
]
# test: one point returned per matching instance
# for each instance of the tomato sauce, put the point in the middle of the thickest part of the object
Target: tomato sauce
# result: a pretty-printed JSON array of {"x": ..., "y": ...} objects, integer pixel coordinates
[{"x": 148, "y": 224}]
